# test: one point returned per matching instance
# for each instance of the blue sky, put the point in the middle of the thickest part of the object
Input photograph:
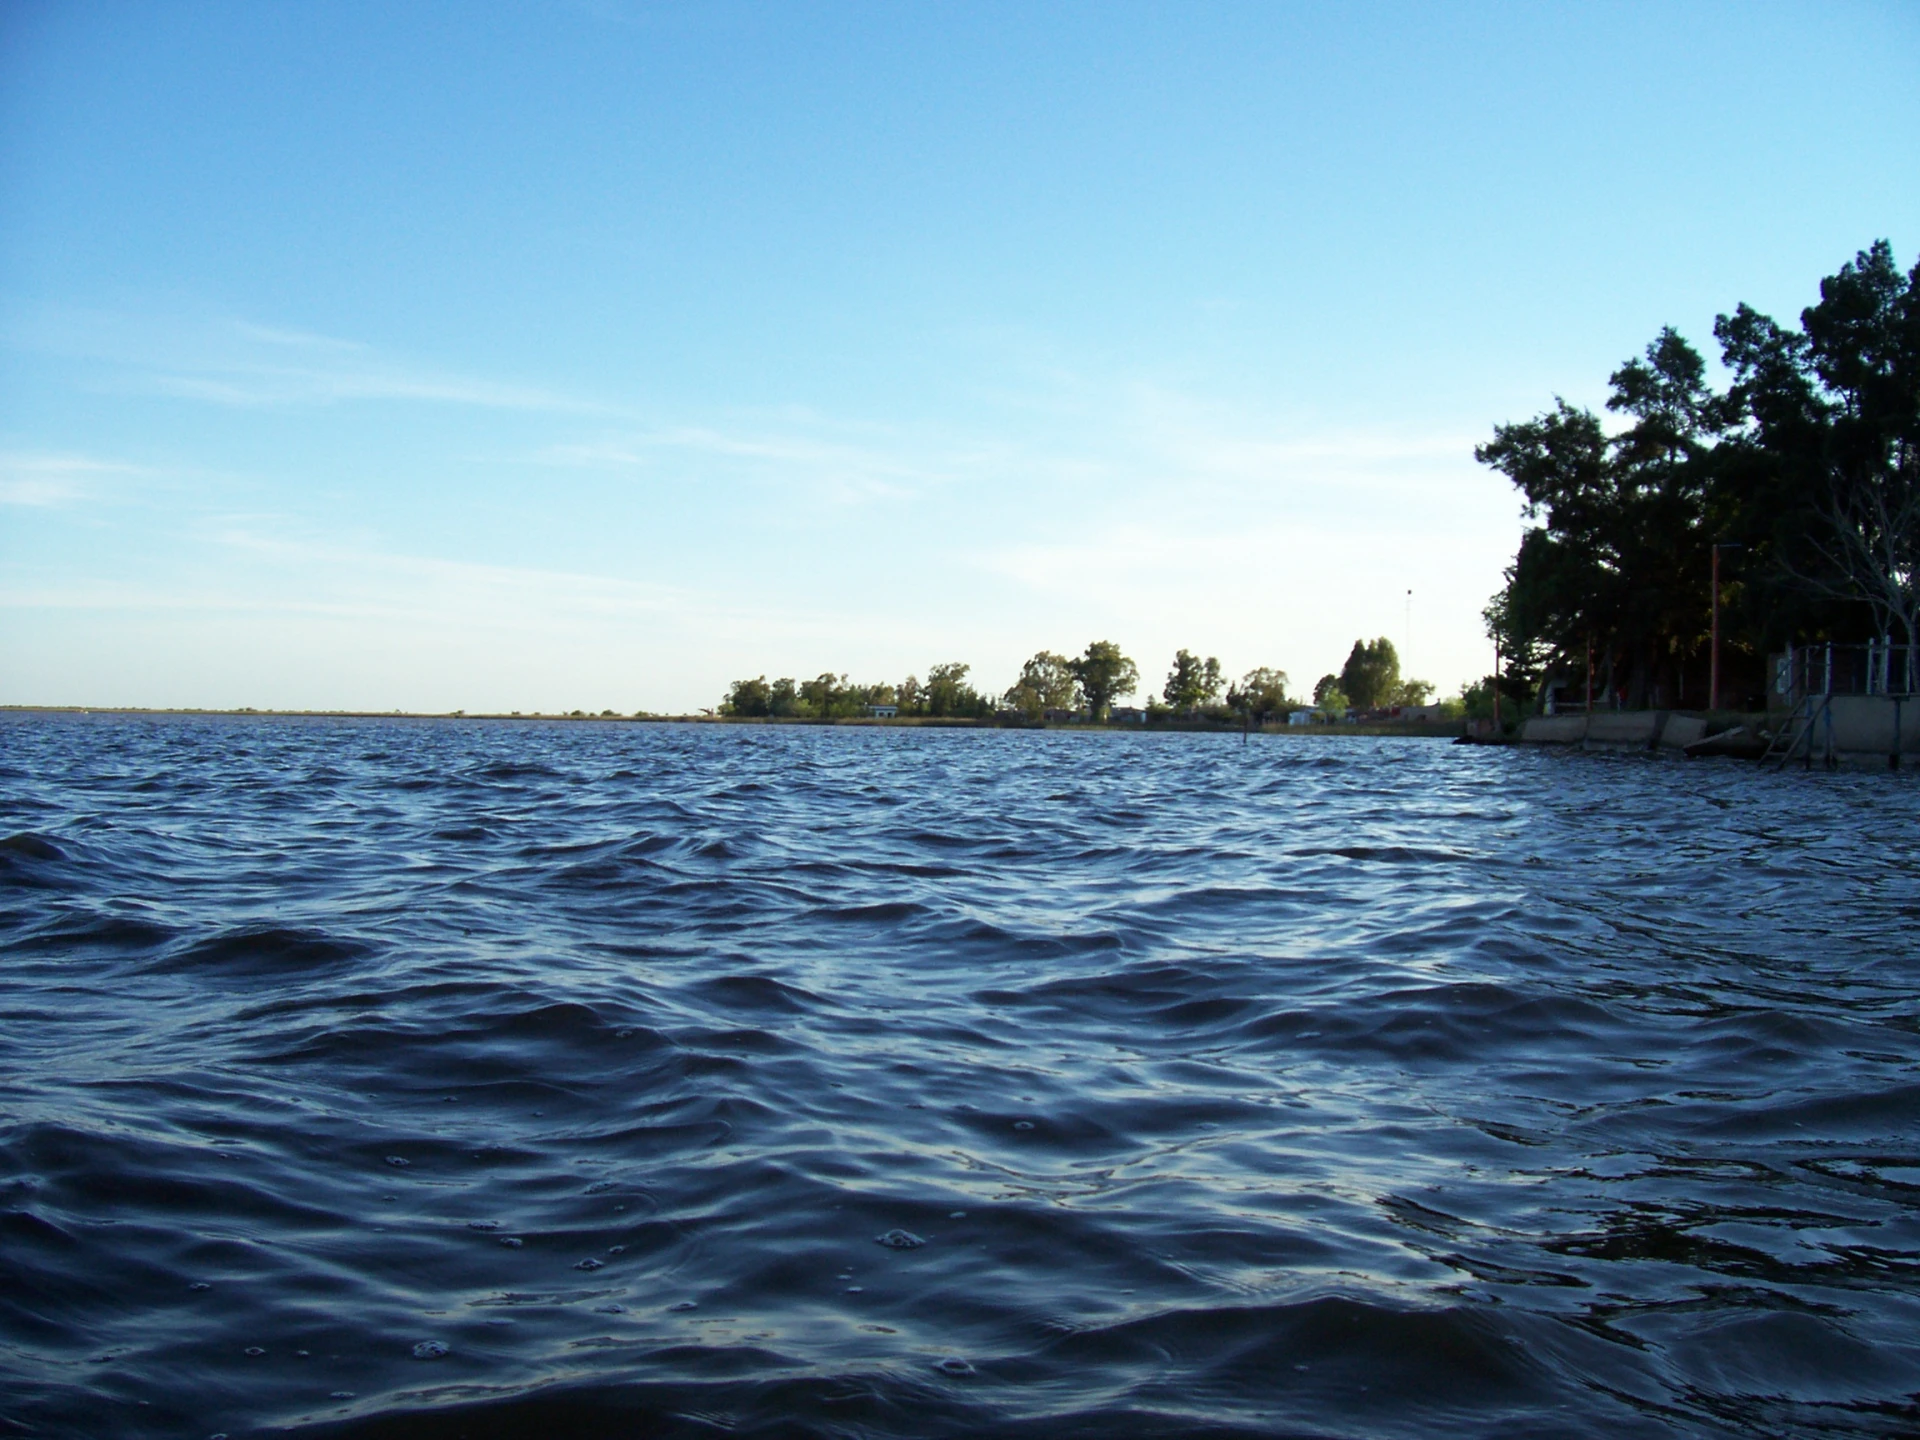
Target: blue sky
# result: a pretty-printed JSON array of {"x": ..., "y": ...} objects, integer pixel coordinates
[{"x": 556, "y": 357}]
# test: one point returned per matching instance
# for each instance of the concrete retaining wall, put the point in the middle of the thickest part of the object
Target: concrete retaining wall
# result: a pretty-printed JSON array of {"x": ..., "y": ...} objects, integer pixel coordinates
[
  {"x": 1553, "y": 730},
  {"x": 1609, "y": 729},
  {"x": 1865, "y": 727},
  {"x": 1627, "y": 729},
  {"x": 1681, "y": 731},
  {"x": 1872, "y": 725}
]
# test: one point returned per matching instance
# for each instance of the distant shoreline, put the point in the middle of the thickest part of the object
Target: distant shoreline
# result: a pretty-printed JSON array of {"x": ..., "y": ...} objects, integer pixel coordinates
[{"x": 1440, "y": 730}]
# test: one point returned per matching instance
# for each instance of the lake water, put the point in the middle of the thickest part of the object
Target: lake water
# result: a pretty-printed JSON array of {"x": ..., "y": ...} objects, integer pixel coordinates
[{"x": 443, "y": 1078}]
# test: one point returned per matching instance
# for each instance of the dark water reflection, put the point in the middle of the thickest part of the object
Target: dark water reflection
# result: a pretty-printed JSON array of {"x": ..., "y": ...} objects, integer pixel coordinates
[{"x": 419, "y": 1079}]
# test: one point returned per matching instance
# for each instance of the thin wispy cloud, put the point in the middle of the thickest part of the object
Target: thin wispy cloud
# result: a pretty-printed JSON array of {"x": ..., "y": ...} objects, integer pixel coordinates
[
  {"x": 1213, "y": 437},
  {"x": 390, "y": 582},
  {"x": 284, "y": 385},
  {"x": 835, "y": 471},
  {"x": 267, "y": 583},
  {"x": 595, "y": 455},
  {"x": 54, "y": 480},
  {"x": 296, "y": 339},
  {"x": 1195, "y": 493},
  {"x": 243, "y": 363}
]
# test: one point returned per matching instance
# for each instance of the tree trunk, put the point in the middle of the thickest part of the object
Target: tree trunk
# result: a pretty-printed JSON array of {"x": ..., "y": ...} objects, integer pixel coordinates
[{"x": 1637, "y": 679}]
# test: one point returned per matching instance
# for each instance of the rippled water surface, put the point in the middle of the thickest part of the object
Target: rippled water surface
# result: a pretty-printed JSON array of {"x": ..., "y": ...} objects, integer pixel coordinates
[{"x": 436, "y": 1078}]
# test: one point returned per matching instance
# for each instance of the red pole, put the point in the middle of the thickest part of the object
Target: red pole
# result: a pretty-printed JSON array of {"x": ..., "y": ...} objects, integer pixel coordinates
[{"x": 1713, "y": 665}]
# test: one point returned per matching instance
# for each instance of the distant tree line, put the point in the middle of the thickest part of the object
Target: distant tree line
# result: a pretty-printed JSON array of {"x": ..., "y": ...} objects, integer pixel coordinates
[
  {"x": 1087, "y": 685},
  {"x": 1804, "y": 471},
  {"x": 944, "y": 694}
]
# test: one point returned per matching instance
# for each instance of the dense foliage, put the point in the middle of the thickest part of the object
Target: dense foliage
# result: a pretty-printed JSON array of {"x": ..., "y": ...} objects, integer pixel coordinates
[
  {"x": 944, "y": 694},
  {"x": 1050, "y": 684},
  {"x": 1804, "y": 472},
  {"x": 1261, "y": 695},
  {"x": 1192, "y": 682},
  {"x": 1046, "y": 683}
]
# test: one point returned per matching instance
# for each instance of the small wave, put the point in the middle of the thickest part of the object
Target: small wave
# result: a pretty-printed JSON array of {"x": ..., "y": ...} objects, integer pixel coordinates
[
  {"x": 1395, "y": 854},
  {"x": 1888, "y": 1111},
  {"x": 1436, "y": 1358},
  {"x": 264, "y": 950},
  {"x": 29, "y": 846},
  {"x": 76, "y": 935},
  {"x": 516, "y": 770},
  {"x": 880, "y": 913},
  {"x": 985, "y": 938},
  {"x": 755, "y": 993}
]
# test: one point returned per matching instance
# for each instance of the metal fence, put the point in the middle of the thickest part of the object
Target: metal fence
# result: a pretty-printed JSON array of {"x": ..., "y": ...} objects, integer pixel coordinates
[{"x": 1871, "y": 669}]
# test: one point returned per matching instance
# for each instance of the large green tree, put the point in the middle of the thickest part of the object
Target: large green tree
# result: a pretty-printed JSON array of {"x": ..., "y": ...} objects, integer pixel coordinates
[
  {"x": 1617, "y": 563},
  {"x": 747, "y": 697},
  {"x": 1192, "y": 682},
  {"x": 1046, "y": 682},
  {"x": 1260, "y": 693},
  {"x": 1329, "y": 698},
  {"x": 1826, "y": 463},
  {"x": 830, "y": 697},
  {"x": 1104, "y": 675},
  {"x": 1371, "y": 676},
  {"x": 948, "y": 695}
]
